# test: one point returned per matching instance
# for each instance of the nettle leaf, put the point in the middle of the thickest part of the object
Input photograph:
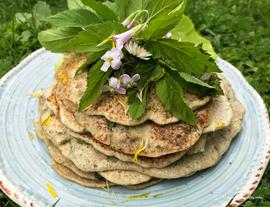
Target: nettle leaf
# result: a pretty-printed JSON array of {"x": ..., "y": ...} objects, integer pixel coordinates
[
  {"x": 149, "y": 72},
  {"x": 160, "y": 7},
  {"x": 97, "y": 78},
  {"x": 75, "y": 4},
  {"x": 74, "y": 18},
  {"x": 136, "y": 106},
  {"x": 123, "y": 8},
  {"x": 185, "y": 31},
  {"x": 56, "y": 40},
  {"x": 160, "y": 26},
  {"x": 102, "y": 11},
  {"x": 87, "y": 40},
  {"x": 91, "y": 58},
  {"x": 197, "y": 85},
  {"x": 191, "y": 79},
  {"x": 118, "y": 7},
  {"x": 145, "y": 69},
  {"x": 182, "y": 56},
  {"x": 171, "y": 96}
]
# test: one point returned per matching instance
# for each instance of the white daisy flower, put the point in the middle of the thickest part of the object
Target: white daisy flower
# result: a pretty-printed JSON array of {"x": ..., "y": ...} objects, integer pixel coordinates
[{"x": 134, "y": 49}]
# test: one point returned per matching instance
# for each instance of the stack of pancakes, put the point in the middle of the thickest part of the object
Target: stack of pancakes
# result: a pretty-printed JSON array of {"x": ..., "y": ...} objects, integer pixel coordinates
[{"x": 103, "y": 145}]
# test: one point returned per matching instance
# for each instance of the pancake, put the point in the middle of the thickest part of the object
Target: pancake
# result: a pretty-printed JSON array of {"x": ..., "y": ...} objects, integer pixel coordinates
[
  {"x": 87, "y": 159},
  {"x": 158, "y": 140},
  {"x": 123, "y": 177},
  {"x": 70, "y": 175},
  {"x": 70, "y": 89}
]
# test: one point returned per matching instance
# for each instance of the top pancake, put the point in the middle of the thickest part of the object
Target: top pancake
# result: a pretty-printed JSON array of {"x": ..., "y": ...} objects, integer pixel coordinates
[{"x": 114, "y": 108}]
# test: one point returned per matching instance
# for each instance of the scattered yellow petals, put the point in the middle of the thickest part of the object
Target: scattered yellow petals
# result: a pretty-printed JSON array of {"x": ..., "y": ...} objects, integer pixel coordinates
[
  {"x": 121, "y": 102},
  {"x": 46, "y": 121},
  {"x": 51, "y": 190},
  {"x": 139, "y": 150},
  {"x": 63, "y": 77},
  {"x": 144, "y": 195},
  {"x": 36, "y": 93},
  {"x": 219, "y": 124},
  {"x": 31, "y": 136}
]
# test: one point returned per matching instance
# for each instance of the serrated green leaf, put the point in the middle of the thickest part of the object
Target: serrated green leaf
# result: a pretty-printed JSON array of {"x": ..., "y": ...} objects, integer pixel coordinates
[
  {"x": 197, "y": 87},
  {"x": 185, "y": 31},
  {"x": 75, "y": 4},
  {"x": 54, "y": 205},
  {"x": 171, "y": 96},
  {"x": 102, "y": 11},
  {"x": 182, "y": 56},
  {"x": 160, "y": 7},
  {"x": 145, "y": 69},
  {"x": 91, "y": 58},
  {"x": 74, "y": 18},
  {"x": 136, "y": 107},
  {"x": 56, "y": 40},
  {"x": 87, "y": 40},
  {"x": 161, "y": 25},
  {"x": 191, "y": 79},
  {"x": 123, "y": 8},
  {"x": 97, "y": 78}
]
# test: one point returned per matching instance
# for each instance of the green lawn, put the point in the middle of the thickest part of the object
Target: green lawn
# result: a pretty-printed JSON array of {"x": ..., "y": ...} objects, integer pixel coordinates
[{"x": 239, "y": 31}]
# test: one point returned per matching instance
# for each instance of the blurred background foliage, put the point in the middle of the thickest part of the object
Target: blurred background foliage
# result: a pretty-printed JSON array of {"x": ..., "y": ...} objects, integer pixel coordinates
[{"x": 239, "y": 31}]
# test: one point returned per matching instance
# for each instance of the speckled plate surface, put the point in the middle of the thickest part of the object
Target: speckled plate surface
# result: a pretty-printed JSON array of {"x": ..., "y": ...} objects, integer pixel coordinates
[{"x": 25, "y": 166}]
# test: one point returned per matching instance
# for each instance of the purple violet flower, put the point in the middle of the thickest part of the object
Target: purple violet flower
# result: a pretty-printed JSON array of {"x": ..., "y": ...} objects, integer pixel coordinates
[
  {"x": 112, "y": 58},
  {"x": 128, "y": 81},
  {"x": 114, "y": 86}
]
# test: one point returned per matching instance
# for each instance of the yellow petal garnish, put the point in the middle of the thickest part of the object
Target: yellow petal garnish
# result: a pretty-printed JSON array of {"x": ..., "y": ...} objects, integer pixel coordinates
[
  {"x": 121, "y": 102},
  {"x": 144, "y": 195},
  {"x": 139, "y": 150},
  {"x": 63, "y": 77},
  {"x": 36, "y": 93},
  {"x": 46, "y": 121},
  {"x": 31, "y": 136},
  {"x": 51, "y": 190},
  {"x": 219, "y": 124}
]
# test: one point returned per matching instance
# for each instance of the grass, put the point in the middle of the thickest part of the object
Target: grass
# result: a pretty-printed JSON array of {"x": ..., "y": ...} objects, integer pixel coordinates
[{"x": 239, "y": 31}]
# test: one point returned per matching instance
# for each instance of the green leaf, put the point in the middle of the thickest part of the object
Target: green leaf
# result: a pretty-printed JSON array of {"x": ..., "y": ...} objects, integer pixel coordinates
[
  {"x": 145, "y": 69},
  {"x": 182, "y": 56},
  {"x": 171, "y": 96},
  {"x": 149, "y": 72},
  {"x": 41, "y": 11},
  {"x": 75, "y": 4},
  {"x": 123, "y": 8},
  {"x": 54, "y": 205},
  {"x": 56, "y": 40},
  {"x": 97, "y": 78},
  {"x": 160, "y": 26},
  {"x": 102, "y": 11},
  {"x": 160, "y": 7},
  {"x": 185, "y": 31},
  {"x": 91, "y": 58},
  {"x": 87, "y": 40},
  {"x": 191, "y": 79},
  {"x": 136, "y": 107},
  {"x": 74, "y": 18},
  {"x": 201, "y": 85}
]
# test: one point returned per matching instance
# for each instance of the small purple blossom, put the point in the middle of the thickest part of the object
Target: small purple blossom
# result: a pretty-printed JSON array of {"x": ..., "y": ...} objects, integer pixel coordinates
[
  {"x": 114, "y": 86},
  {"x": 128, "y": 81},
  {"x": 122, "y": 38},
  {"x": 112, "y": 59}
]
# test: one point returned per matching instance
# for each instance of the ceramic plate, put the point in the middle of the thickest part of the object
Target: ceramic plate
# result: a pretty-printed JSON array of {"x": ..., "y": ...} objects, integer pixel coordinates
[{"x": 25, "y": 165}]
